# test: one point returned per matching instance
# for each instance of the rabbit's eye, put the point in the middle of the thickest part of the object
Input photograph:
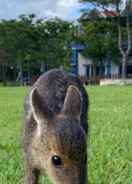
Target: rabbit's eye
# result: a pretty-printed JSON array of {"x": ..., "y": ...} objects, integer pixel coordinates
[{"x": 56, "y": 160}]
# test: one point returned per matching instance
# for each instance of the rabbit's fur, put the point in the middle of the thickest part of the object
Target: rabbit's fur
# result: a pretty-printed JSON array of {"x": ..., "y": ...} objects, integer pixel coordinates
[{"x": 55, "y": 129}]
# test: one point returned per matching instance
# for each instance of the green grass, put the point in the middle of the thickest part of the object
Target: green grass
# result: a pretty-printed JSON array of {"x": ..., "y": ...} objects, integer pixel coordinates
[{"x": 110, "y": 143}]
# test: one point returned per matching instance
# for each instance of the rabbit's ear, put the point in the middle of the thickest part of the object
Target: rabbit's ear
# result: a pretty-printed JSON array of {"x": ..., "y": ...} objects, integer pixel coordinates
[
  {"x": 38, "y": 106},
  {"x": 72, "y": 103}
]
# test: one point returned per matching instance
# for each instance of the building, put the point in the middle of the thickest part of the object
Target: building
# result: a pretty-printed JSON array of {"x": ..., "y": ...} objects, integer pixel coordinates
[{"x": 84, "y": 66}]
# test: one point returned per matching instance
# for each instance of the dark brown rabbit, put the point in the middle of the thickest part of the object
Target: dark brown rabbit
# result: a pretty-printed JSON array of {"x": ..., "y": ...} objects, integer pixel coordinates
[{"x": 55, "y": 130}]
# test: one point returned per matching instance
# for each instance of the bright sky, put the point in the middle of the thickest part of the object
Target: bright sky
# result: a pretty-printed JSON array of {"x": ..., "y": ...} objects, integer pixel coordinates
[{"x": 67, "y": 9}]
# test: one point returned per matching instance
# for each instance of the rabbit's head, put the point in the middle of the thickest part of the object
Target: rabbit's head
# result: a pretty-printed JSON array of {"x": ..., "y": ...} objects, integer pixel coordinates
[{"x": 62, "y": 141}]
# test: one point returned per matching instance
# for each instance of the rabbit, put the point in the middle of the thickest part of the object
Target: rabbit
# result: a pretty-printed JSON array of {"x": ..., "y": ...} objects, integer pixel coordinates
[{"x": 55, "y": 129}]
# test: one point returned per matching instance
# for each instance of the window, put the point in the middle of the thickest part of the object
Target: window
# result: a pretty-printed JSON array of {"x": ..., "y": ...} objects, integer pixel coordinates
[{"x": 87, "y": 70}]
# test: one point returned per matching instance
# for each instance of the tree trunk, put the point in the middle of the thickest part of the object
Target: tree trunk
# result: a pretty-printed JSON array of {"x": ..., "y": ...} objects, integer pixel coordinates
[
  {"x": 124, "y": 53},
  {"x": 14, "y": 74},
  {"x": 94, "y": 71},
  {"x": 29, "y": 73},
  {"x": 101, "y": 69},
  {"x": 20, "y": 77},
  {"x": 124, "y": 63},
  {"x": 20, "y": 73}
]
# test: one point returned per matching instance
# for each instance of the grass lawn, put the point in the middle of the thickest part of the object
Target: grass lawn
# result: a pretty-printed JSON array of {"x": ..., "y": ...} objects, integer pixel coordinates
[{"x": 110, "y": 144}]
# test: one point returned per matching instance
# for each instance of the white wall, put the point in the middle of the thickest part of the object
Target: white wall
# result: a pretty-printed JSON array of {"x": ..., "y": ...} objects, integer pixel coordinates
[
  {"x": 114, "y": 69},
  {"x": 82, "y": 61}
]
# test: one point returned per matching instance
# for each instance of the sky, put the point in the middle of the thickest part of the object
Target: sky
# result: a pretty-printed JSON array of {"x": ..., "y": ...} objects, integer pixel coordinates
[{"x": 65, "y": 9}]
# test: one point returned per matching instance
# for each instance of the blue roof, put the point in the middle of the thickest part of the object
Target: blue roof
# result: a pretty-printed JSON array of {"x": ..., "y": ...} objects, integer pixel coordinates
[{"x": 77, "y": 46}]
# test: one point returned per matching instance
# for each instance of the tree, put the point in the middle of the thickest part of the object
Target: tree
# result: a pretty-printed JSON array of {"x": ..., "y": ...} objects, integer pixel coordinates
[
  {"x": 99, "y": 40},
  {"x": 105, "y": 4},
  {"x": 57, "y": 34},
  {"x": 30, "y": 42},
  {"x": 4, "y": 58},
  {"x": 6, "y": 46},
  {"x": 125, "y": 53}
]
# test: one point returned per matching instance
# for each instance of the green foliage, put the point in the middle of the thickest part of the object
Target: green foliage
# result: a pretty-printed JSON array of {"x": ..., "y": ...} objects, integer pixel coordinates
[
  {"x": 100, "y": 37},
  {"x": 55, "y": 37},
  {"x": 29, "y": 41},
  {"x": 94, "y": 37}
]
